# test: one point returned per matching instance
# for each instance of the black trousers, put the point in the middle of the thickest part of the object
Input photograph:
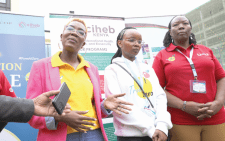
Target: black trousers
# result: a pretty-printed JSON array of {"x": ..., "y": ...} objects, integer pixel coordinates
[{"x": 133, "y": 138}]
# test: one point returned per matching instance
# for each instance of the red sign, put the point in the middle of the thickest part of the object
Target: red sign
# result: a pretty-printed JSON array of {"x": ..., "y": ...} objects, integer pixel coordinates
[{"x": 102, "y": 83}]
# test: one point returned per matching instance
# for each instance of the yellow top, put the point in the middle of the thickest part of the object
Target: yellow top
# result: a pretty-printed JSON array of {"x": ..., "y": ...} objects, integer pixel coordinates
[{"x": 80, "y": 86}]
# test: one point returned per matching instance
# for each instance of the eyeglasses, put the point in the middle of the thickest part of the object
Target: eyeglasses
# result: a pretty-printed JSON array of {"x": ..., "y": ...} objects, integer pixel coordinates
[
  {"x": 80, "y": 33},
  {"x": 134, "y": 40}
]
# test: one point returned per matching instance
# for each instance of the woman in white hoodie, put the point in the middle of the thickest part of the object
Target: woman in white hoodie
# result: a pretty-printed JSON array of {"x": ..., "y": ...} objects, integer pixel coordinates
[{"x": 149, "y": 119}]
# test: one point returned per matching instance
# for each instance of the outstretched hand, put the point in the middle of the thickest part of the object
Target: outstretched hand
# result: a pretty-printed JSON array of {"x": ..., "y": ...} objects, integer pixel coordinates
[
  {"x": 116, "y": 105},
  {"x": 43, "y": 105}
]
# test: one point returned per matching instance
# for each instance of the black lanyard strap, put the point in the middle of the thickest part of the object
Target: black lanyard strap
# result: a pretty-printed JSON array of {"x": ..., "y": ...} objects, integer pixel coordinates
[{"x": 137, "y": 83}]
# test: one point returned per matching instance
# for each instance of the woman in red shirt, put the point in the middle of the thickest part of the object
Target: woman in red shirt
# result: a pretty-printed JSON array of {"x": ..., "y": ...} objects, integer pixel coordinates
[{"x": 194, "y": 82}]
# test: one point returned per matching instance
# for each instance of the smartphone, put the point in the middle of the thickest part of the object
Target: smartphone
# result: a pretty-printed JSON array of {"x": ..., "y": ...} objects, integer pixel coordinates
[{"x": 60, "y": 100}]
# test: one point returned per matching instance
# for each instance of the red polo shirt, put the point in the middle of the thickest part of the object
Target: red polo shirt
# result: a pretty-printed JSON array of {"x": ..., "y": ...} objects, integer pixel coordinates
[
  {"x": 174, "y": 73},
  {"x": 5, "y": 87}
]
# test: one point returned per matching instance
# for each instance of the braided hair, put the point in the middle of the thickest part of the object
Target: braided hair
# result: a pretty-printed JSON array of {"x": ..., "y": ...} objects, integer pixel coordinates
[
  {"x": 168, "y": 39},
  {"x": 120, "y": 37}
]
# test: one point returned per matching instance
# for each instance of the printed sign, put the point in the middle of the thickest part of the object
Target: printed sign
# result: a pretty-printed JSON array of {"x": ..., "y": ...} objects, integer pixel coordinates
[{"x": 22, "y": 42}]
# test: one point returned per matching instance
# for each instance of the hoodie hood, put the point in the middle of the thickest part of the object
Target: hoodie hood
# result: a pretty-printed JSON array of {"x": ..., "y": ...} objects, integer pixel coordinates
[{"x": 121, "y": 60}]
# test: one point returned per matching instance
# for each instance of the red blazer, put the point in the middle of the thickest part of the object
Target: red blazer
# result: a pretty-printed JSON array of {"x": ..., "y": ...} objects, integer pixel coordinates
[{"x": 43, "y": 78}]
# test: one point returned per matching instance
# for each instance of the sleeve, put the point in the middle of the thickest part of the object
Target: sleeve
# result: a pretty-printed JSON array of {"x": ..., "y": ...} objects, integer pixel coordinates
[
  {"x": 135, "y": 117},
  {"x": 104, "y": 112},
  {"x": 163, "y": 118},
  {"x": 5, "y": 87},
  {"x": 159, "y": 70},
  {"x": 219, "y": 71},
  {"x": 50, "y": 123},
  {"x": 34, "y": 89},
  {"x": 15, "y": 109}
]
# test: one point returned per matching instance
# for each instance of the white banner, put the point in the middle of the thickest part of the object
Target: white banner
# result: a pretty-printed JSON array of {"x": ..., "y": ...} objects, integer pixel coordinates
[{"x": 101, "y": 37}]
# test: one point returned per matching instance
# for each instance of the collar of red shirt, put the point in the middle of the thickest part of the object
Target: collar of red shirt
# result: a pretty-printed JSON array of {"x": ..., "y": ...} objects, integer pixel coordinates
[{"x": 172, "y": 47}]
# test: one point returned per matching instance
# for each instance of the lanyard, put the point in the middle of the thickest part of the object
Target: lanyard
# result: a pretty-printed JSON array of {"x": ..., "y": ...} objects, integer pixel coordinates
[
  {"x": 132, "y": 72},
  {"x": 133, "y": 75},
  {"x": 190, "y": 61}
]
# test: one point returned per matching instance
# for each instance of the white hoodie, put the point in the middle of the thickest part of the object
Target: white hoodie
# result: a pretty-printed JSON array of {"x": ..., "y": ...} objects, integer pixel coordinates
[{"x": 140, "y": 121}]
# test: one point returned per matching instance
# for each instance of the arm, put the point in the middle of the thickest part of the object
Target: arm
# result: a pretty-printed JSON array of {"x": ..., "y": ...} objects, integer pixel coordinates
[
  {"x": 16, "y": 109},
  {"x": 158, "y": 67},
  {"x": 220, "y": 79},
  {"x": 218, "y": 103},
  {"x": 21, "y": 110},
  {"x": 220, "y": 94},
  {"x": 135, "y": 117},
  {"x": 174, "y": 101}
]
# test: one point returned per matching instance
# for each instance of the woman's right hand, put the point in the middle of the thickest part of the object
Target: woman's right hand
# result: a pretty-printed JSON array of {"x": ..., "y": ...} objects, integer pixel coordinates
[
  {"x": 75, "y": 119},
  {"x": 197, "y": 109},
  {"x": 116, "y": 105}
]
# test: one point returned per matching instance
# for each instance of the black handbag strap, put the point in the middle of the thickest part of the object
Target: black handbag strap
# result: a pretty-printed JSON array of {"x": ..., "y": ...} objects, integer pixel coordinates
[{"x": 136, "y": 82}]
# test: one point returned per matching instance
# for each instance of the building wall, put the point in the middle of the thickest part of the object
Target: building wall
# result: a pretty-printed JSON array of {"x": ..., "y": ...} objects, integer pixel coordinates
[
  {"x": 5, "y": 5},
  {"x": 208, "y": 25}
]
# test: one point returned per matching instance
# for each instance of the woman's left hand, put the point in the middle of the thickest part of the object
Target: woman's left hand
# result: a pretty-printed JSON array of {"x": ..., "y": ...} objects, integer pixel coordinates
[
  {"x": 214, "y": 108},
  {"x": 159, "y": 136},
  {"x": 116, "y": 105}
]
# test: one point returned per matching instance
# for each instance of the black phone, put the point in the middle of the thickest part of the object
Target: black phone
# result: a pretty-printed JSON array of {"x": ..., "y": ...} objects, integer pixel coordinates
[{"x": 60, "y": 100}]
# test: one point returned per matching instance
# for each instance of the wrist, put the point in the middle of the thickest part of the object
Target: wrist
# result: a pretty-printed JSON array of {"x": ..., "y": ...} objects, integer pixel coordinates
[
  {"x": 180, "y": 105},
  {"x": 105, "y": 105},
  {"x": 184, "y": 106},
  {"x": 219, "y": 102},
  {"x": 35, "y": 110},
  {"x": 58, "y": 118}
]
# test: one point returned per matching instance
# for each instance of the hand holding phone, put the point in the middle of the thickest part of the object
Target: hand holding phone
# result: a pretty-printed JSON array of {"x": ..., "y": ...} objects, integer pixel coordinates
[{"x": 60, "y": 100}]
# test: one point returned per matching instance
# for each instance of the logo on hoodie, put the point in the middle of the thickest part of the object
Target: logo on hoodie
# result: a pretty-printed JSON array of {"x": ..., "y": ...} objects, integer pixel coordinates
[{"x": 147, "y": 87}]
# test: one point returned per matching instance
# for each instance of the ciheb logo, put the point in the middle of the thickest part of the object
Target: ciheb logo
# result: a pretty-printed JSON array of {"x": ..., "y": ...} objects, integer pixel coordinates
[
  {"x": 31, "y": 25},
  {"x": 101, "y": 31},
  {"x": 22, "y": 24}
]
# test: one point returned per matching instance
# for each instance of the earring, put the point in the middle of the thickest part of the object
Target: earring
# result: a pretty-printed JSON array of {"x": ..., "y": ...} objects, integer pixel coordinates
[
  {"x": 191, "y": 37},
  {"x": 172, "y": 39}
]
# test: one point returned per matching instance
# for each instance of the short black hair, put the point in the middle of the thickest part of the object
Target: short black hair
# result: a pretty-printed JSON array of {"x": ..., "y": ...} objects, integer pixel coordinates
[
  {"x": 120, "y": 37},
  {"x": 168, "y": 39}
]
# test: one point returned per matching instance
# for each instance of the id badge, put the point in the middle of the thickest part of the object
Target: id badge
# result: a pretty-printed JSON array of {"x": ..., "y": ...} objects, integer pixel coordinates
[{"x": 197, "y": 86}]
